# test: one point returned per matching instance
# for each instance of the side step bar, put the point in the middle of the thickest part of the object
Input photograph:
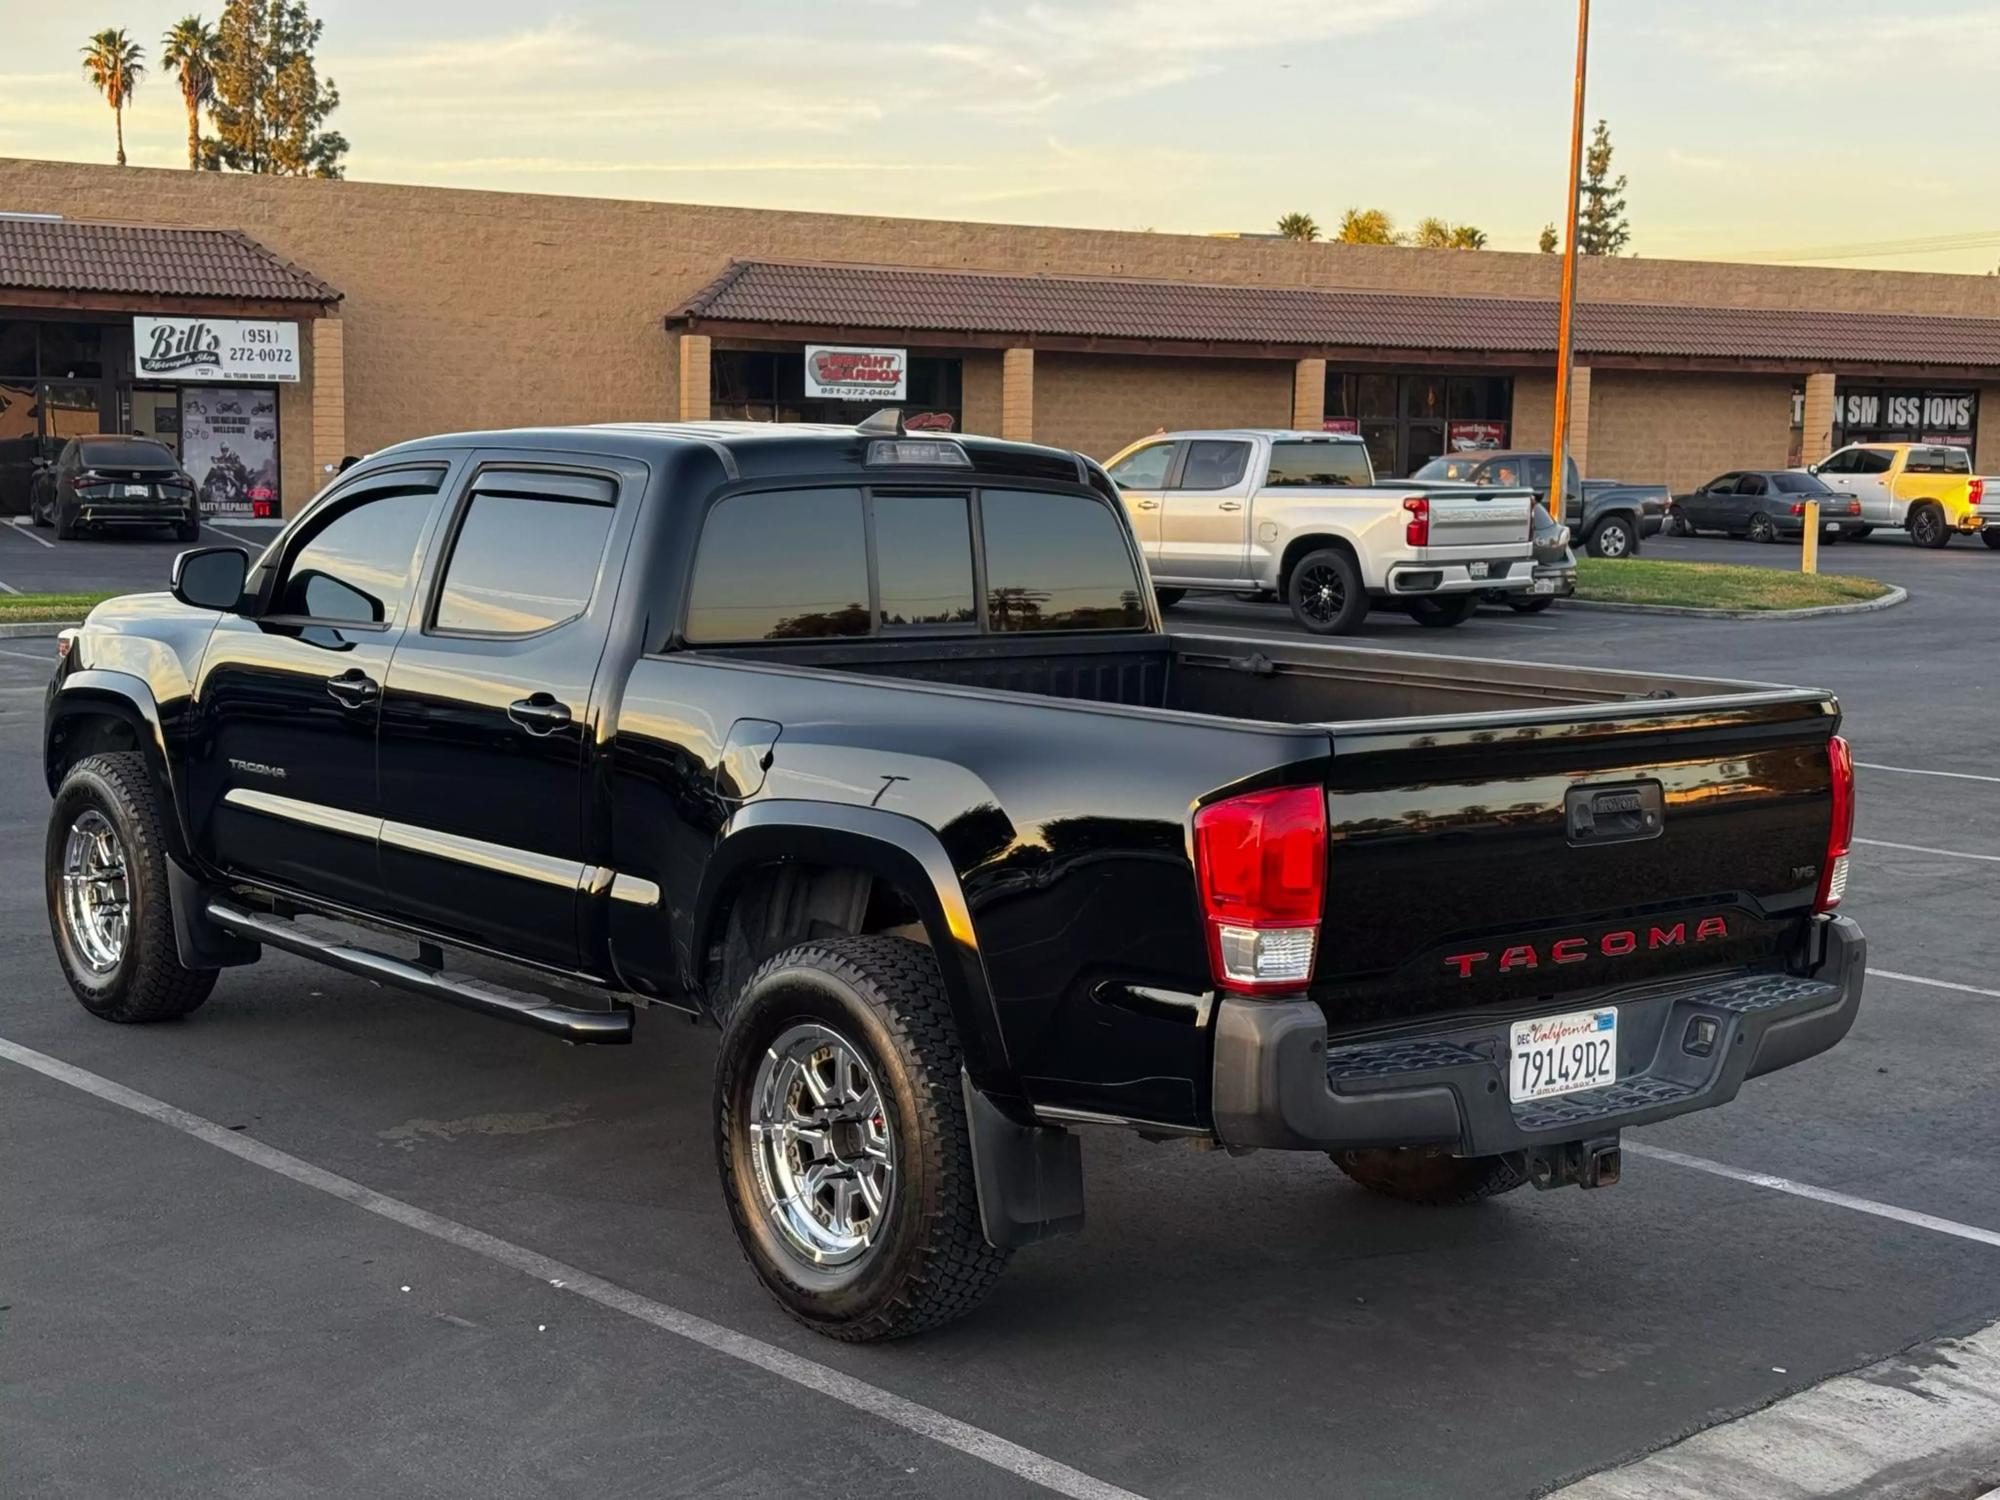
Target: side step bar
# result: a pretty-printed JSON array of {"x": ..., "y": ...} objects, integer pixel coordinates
[{"x": 567, "y": 1022}]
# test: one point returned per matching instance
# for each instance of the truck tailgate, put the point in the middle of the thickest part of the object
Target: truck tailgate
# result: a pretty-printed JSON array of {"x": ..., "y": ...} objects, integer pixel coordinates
[
  {"x": 1466, "y": 516},
  {"x": 1527, "y": 857}
]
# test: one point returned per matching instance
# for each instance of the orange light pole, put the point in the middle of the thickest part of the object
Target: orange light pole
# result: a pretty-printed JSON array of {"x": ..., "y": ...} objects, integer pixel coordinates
[{"x": 1565, "y": 334}]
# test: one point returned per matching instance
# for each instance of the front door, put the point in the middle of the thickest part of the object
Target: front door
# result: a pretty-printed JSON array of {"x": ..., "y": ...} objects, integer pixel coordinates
[
  {"x": 487, "y": 717},
  {"x": 1709, "y": 507},
  {"x": 1205, "y": 518},
  {"x": 282, "y": 769},
  {"x": 1141, "y": 477}
]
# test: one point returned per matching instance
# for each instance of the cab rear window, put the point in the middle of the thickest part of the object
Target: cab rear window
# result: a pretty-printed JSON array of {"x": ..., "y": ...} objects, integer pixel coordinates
[
  {"x": 1938, "y": 461},
  {"x": 1324, "y": 465},
  {"x": 132, "y": 454}
]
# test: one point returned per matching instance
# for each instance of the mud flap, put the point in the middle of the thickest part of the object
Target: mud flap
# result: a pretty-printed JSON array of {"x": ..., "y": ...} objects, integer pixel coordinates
[{"x": 1029, "y": 1177}]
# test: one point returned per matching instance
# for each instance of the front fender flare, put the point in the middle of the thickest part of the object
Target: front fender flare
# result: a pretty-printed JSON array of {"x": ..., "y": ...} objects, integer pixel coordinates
[
  {"x": 99, "y": 692},
  {"x": 892, "y": 847}
]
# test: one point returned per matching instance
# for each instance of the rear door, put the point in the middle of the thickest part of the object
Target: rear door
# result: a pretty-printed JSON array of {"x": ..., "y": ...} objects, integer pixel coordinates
[
  {"x": 1205, "y": 518},
  {"x": 281, "y": 769},
  {"x": 1751, "y": 500},
  {"x": 487, "y": 712}
]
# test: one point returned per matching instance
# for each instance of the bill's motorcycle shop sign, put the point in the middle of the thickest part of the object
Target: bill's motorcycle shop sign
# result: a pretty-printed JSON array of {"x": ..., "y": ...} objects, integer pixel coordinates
[
  {"x": 839, "y": 373},
  {"x": 214, "y": 349}
]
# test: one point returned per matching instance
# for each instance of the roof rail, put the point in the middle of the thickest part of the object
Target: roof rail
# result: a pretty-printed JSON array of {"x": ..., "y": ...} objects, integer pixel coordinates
[{"x": 888, "y": 422}]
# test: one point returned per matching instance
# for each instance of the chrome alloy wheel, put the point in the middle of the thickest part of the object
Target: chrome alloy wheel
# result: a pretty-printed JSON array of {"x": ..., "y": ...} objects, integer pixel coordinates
[
  {"x": 824, "y": 1151},
  {"x": 96, "y": 891}
]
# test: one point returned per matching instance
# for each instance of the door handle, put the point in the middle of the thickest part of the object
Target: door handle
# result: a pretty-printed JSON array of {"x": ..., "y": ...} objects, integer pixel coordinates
[
  {"x": 1230, "y": 505},
  {"x": 1145, "y": 505},
  {"x": 353, "y": 688},
  {"x": 539, "y": 714}
]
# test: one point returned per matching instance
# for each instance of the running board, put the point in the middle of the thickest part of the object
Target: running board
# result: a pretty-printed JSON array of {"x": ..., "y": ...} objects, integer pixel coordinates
[{"x": 567, "y": 1022}]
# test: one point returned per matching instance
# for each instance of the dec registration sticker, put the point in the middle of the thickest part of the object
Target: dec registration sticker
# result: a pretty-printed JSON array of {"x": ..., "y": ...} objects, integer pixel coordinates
[{"x": 1562, "y": 1054}]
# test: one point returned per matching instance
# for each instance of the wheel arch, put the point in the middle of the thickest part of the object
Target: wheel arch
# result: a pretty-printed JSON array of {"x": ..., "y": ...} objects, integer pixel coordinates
[
  {"x": 96, "y": 710},
  {"x": 1307, "y": 542},
  {"x": 901, "y": 858}
]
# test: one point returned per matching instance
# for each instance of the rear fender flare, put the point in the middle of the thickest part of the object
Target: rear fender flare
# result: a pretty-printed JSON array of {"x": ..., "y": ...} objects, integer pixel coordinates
[
  {"x": 891, "y": 847},
  {"x": 100, "y": 693}
]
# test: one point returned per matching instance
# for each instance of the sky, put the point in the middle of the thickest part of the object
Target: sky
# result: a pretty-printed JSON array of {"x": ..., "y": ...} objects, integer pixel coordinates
[{"x": 1840, "y": 132}]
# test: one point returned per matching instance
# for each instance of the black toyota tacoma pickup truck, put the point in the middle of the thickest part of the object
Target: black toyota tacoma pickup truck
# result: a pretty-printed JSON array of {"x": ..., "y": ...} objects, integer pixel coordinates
[{"x": 869, "y": 748}]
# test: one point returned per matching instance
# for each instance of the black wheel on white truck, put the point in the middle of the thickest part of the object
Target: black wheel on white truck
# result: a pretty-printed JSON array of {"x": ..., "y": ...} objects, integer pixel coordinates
[{"x": 1325, "y": 592}]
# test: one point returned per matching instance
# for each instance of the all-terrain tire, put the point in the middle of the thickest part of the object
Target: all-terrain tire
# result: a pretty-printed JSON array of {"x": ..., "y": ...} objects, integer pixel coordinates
[
  {"x": 885, "y": 997},
  {"x": 1432, "y": 1178},
  {"x": 1614, "y": 536},
  {"x": 147, "y": 983}
]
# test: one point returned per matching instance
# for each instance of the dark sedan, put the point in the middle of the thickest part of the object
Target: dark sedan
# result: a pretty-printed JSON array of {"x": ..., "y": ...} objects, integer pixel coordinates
[
  {"x": 109, "y": 480},
  {"x": 1765, "y": 504}
]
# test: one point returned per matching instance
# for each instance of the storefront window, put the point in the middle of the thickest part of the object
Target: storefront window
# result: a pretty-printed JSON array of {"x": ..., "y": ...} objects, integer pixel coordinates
[
  {"x": 17, "y": 349},
  {"x": 1409, "y": 419},
  {"x": 755, "y": 385}
]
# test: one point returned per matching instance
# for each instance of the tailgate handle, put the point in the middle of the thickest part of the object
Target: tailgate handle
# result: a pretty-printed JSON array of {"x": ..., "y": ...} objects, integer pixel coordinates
[{"x": 1614, "y": 814}]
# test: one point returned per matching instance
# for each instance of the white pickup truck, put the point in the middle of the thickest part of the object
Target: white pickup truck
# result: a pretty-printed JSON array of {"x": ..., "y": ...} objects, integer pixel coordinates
[{"x": 1298, "y": 516}]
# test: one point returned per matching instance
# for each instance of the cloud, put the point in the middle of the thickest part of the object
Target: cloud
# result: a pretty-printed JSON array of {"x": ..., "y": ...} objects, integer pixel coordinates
[{"x": 1793, "y": 50}]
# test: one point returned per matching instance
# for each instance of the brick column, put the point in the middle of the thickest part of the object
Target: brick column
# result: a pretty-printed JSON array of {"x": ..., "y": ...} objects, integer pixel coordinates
[
  {"x": 1017, "y": 395},
  {"x": 1579, "y": 418},
  {"x": 329, "y": 396},
  {"x": 1309, "y": 395},
  {"x": 1817, "y": 440},
  {"x": 694, "y": 377}
]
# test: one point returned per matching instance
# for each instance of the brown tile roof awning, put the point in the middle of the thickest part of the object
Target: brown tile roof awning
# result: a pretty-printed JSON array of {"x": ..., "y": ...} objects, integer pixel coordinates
[
  {"x": 897, "y": 300},
  {"x": 70, "y": 256}
]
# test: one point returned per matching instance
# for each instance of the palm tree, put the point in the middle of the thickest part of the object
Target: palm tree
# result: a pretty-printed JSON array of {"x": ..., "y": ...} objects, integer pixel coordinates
[
  {"x": 115, "y": 64},
  {"x": 1432, "y": 233},
  {"x": 189, "y": 52},
  {"x": 1467, "y": 237},
  {"x": 1298, "y": 227}
]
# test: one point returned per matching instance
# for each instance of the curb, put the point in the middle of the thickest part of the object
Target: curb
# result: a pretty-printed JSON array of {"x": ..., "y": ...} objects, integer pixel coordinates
[
  {"x": 1889, "y": 600},
  {"x": 14, "y": 630}
]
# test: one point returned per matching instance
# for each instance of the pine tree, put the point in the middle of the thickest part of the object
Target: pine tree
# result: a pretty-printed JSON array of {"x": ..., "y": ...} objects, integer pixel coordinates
[
  {"x": 1601, "y": 225},
  {"x": 270, "y": 101}
]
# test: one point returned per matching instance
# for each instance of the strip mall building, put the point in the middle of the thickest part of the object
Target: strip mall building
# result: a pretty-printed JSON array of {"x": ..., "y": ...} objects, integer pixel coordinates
[{"x": 395, "y": 311}]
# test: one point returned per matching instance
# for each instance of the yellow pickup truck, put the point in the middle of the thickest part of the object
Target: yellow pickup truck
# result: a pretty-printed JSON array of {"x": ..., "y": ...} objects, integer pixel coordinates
[{"x": 1926, "y": 489}]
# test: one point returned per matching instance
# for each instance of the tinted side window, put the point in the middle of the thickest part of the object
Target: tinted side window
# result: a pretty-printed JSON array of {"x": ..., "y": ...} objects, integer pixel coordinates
[
  {"x": 1213, "y": 465},
  {"x": 354, "y": 568},
  {"x": 783, "y": 565},
  {"x": 1146, "y": 469},
  {"x": 923, "y": 560},
  {"x": 1871, "y": 461},
  {"x": 523, "y": 563},
  {"x": 1057, "y": 562},
  {"x": 1538, "y": 471},
  {"x": 1721, "y": 484},
  {"x": 1798, "y": 484},
  {"x": 1839, "y": 463},
  {"x": 1329, "y": 465},
  {"x": 1751, "y": 484}
]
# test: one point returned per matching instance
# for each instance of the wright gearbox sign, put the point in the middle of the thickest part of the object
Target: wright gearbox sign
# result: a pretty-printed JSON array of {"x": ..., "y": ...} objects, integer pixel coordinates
[
  {"x": 214, "y": 349},
  {"x": 835, "y": 373}
]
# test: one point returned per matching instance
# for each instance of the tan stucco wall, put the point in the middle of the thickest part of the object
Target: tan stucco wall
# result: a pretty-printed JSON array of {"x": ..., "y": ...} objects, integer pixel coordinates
[
  {"x": 1097, "y": 403},
  {"x": 478, "y": 309},
  {"x": 1677, "y": 430}
]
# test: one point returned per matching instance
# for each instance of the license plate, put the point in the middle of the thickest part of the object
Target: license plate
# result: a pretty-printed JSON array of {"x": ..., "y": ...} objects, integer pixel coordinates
[
  {"x": 1562, "y": 1054},
  {"x": 1477, "y": 570},
  {"x": 1542, "y": 586},
  {"x": 136, "y": 491}
]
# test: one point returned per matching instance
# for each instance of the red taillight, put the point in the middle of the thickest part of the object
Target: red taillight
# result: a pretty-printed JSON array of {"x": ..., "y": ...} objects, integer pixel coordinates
[
  {"x": 1798, "y": 507},
  {"x": 1260, "y": 860},
  {"x": 1418, "y": 532},
  {"x": 1975, "y": 490},
  {"x": 1840, "y": 836}
]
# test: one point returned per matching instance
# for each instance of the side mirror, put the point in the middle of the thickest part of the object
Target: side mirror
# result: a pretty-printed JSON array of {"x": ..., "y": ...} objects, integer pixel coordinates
[
  {"x": 211, "y": 577},
  {"x": 1812, "y": 468}
]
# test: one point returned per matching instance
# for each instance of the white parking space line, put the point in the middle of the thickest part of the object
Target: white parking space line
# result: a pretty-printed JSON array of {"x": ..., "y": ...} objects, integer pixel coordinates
[
  {"x": 1936, "y": 984},
  {"x": 900, "y": 1411},
  {"x": 20, "y": 528},
  {"x": 1922, "y": 1421},
  {"x": 7, "y": 588},
  {"x": 1806, "y": 1190},
  {"x": 1869, "y": 765},
  {"x": 1992, "y": 859},
  {"x": 40, "y": 661}
]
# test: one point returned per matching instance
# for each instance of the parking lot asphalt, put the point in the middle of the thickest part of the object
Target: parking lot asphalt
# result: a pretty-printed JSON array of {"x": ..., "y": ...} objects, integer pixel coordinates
[
  {"x": 176, "y": 1321},
  {"x": 32, "y": 561}
]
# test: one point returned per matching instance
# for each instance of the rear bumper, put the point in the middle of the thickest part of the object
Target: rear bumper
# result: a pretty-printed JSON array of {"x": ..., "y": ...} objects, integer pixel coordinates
[
  {"x": 1278, "y": 1083},
  {"x": 133, "y": 512},
  {"x": 1505, "y": 575}
]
